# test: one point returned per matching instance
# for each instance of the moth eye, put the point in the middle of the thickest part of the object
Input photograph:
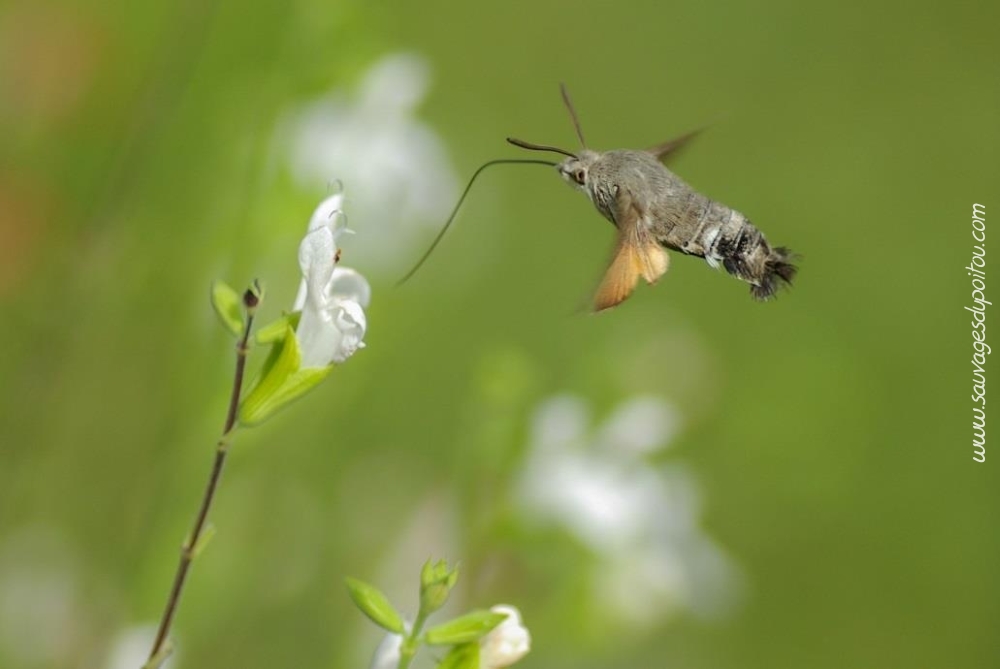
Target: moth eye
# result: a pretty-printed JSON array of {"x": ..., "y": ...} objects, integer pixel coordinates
[{"x": 580, "y": 176}]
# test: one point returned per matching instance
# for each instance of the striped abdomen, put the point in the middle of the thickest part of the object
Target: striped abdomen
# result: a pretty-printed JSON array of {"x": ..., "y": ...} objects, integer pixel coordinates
[{"x": 721, "y": 235}]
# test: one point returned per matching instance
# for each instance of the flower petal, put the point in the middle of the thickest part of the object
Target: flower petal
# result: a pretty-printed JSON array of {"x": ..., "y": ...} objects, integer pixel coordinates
[
  {"x": 349, "y": 320},
  {"x": 388, "y": 652},
  {"x": 319, "y": 247},
  {"x": 317, "y": 258},
  {"x": 319, "y": 338},
  {"x": 347, "y": 284},
  {"x": 332, "y": 323},
  {"x": 325, "y": 214}
]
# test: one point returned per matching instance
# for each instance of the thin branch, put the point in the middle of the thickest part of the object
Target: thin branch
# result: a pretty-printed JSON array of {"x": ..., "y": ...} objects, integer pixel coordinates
[{"x": 188, "y": 549}]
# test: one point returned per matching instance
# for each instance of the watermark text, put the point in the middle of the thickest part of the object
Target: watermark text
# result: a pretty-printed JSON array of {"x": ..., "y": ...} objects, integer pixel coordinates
[{"x": 980, "y": 349}]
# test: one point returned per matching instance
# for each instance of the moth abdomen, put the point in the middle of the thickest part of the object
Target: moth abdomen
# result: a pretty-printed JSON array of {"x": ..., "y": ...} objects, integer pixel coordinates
[
  {"x": 778, "y": 271},
  {"x": 724, "y": 236}
]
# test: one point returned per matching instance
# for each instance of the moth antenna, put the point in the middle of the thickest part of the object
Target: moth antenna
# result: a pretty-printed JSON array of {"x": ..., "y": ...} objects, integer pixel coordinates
[
  {"x": 572, "y": 114},
  {"x": 458, "y": 205},
  {"x": 539, "y": 147}
]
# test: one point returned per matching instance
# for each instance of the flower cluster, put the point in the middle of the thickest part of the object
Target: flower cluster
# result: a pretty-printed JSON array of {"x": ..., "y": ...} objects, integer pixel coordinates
[
  {"x": 401, "y": 175},
  {"x": 637, "y": 518}
]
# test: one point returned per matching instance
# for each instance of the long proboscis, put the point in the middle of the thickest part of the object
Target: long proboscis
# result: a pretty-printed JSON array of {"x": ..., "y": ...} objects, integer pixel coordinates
[
  {"x": 538, "y": 147},
  {"x": 458, "y": 205}
]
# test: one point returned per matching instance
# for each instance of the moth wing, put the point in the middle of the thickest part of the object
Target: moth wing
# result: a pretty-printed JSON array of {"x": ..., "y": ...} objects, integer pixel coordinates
[
  {"x": 654, "y": 259},
  {"x": 636, "y": 255},
  {"x": 668, "y": 148},
  {"x": 620, "y": 278}
]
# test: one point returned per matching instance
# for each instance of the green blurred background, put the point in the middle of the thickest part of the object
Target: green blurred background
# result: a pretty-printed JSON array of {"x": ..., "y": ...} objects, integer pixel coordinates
[{"x": 829, "y": 431}]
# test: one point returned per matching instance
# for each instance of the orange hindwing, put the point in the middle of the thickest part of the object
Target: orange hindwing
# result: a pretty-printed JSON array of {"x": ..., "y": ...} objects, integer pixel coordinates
[{"x": 635, "y": 256}]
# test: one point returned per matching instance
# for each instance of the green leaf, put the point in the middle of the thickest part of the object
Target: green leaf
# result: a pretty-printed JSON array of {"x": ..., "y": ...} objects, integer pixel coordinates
[
  {"x": 464, "y": 656},
  {"x": 228, "y": 307},
  {"x": 283, "y": 360},
  {"x": 275, "y": 331},
  {"x": 281, "y": 380},
  {"x": 375, "y": 605},
  {"x": 206, "y": 536},
  {"x": 470, "y": 627}
]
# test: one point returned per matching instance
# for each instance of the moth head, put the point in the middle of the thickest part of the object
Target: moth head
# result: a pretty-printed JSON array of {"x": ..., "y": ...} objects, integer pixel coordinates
[{"x": 575, "y": 170}]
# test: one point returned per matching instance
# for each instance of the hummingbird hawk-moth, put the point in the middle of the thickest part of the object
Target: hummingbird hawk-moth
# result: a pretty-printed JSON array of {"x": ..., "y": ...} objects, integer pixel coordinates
[{"x": 654, "y": 210}]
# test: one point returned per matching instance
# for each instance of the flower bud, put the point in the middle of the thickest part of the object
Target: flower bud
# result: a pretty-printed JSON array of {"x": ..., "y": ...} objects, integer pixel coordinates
[
  {"x": 507, "y": 643},
  {"x": 436, "y": 582}
]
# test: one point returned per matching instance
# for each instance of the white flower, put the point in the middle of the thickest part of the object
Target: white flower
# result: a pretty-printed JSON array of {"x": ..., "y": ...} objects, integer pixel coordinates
[
  {"x": 400, "y": 173},
  {"x": 640, "y": 521},
  {"x": 388, "y": 652},
  {"x": 331, "y": 321},
  {"x": 506, "y": 643},
  {"x": 332, "y": 299}
]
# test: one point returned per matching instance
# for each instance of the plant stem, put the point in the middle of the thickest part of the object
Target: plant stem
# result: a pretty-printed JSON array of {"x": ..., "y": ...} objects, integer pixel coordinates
[
  {"x": 190, "y": 545},
  {"x": 408, "y": 649}
]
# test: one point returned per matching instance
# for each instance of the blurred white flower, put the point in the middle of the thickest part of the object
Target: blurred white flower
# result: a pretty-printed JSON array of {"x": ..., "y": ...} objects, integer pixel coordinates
[
  {"x": 332, "y": 299},
  {"x": 130, "y": 648},
  {"x": 401, "y": 177},
  {"x": 506, "y": 643},
  {"x": 40, "y": 599},
  {"x": 641, "y": 425},
  {"x": 387, "y": 654},
  {"x": 639, "y": 520}
]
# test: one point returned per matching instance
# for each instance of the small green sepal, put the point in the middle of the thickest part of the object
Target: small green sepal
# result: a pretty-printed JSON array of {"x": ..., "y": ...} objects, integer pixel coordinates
[
  {"x": 253, "y": 295},
  {"x": 228, "y": 307},
  {"x": 464, "y": 629},
  {"x": 375, "y": 605},
  {"x": 464, "y": 656}
]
